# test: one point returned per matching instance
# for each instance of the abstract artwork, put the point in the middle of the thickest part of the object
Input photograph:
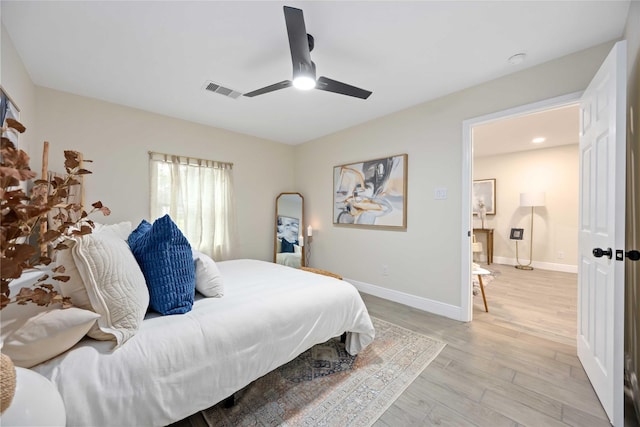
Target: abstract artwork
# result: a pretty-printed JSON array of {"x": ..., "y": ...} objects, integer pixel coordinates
[
  {"x": 372, "y": 193},
  {"x": 288, "y": 229},
  {"x": 484, "y": 197}
]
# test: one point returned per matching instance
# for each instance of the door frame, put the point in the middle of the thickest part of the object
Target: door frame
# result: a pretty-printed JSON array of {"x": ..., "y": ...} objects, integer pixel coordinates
[{"x": 466, "y": 297}]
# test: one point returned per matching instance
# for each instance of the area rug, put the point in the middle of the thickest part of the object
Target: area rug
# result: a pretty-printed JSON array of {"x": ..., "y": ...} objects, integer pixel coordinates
[{"x": 325, "y": 386}]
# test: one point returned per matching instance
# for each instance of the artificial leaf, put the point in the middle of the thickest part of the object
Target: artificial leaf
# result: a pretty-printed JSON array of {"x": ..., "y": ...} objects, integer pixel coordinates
[{"x": 14, "y": 124}]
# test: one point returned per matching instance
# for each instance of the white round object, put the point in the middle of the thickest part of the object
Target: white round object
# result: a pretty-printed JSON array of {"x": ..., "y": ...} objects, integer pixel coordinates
[{"x": 37, "y": 402}]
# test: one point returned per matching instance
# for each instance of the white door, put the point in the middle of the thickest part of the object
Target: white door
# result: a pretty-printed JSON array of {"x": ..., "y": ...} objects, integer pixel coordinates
[{"x": 601, "y": 228}]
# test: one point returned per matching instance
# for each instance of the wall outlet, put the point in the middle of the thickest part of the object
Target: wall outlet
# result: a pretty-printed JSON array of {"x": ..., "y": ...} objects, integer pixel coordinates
[
  {"x": 385, "y": 270},
  {"x": 560, "y": 254}
]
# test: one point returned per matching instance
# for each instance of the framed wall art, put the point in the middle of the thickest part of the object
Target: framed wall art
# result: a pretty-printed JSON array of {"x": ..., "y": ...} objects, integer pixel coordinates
[
  {"x": 484, "y": 197},
  {"x": 8, "y": 110},
  {"x": 516, "y": 234},
  {"x": 371, "y": 193}
]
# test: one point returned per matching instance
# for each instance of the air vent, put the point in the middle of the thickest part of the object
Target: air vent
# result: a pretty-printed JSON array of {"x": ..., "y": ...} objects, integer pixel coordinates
[{"x": 221, "y": 90}]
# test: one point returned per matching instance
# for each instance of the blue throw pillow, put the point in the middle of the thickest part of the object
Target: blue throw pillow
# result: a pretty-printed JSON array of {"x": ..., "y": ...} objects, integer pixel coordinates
[
  {"x": 136, "y": 234},
  {"x": 166, "y": 260},
  {"x": 287, "y": 246}
]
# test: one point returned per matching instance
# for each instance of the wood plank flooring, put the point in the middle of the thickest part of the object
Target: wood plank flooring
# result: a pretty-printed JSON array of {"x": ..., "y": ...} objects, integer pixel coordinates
[{"x": 513, "y": 366}]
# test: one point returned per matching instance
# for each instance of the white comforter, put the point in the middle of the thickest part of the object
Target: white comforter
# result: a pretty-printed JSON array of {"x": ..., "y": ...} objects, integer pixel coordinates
[{"x": 177, "y": 365}]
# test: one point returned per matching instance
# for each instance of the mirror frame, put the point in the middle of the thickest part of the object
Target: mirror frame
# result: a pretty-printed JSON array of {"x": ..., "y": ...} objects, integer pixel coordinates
[{"x": 302, "y": 228}]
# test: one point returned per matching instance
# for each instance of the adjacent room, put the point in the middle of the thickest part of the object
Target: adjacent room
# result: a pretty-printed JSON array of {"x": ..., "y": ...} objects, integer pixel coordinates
[{"x": 355, "y": 213}]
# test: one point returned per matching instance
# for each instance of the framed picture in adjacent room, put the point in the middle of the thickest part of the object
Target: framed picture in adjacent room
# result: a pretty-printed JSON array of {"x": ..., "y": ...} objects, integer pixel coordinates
[
  {"x": 517, "y": 233},
  {"x": 484, "y": 196}
]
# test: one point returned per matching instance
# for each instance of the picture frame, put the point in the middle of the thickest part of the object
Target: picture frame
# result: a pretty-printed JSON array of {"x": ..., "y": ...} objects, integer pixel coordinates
[
  {"x": 371, "y": 193},
  {"x": 8, "y": 110},
  {"x": 517, "y": 234},
  {"x": 484, "y": 192}
]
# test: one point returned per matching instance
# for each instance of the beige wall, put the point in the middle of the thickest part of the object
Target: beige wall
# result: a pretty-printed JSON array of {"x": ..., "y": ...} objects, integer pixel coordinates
[
  {"x": 118, "y": 138},
  {"x": 16, "y": 82},
  {"x": 424, "y": 261},
  {"x": 554, "y": 171}
]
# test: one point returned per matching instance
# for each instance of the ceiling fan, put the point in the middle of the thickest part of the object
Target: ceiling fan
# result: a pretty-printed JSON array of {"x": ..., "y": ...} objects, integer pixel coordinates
[{"x": 304, "y": 69}]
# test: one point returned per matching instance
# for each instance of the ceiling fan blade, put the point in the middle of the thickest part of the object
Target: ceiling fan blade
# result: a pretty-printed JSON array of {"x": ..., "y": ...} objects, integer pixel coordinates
[
  {"x": 298, "y": 42},
  {"x": 334, "y": 86},
  {"x": 277, "y": 86}
]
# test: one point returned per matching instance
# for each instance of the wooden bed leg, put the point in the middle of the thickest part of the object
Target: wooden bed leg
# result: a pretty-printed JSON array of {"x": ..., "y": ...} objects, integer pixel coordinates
[{"x": 229, "y": 401}]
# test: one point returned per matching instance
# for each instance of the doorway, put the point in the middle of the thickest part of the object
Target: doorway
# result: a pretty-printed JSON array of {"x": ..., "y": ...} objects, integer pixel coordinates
[{"x": 469, "y": 127}]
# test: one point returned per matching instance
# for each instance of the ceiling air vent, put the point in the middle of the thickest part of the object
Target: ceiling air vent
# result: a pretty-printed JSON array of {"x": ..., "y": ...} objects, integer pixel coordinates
[{"x": 221, "y": 90}]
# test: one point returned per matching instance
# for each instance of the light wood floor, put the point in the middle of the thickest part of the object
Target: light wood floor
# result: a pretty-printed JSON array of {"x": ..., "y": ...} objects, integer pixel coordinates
[{"x": 513, "y": 366}]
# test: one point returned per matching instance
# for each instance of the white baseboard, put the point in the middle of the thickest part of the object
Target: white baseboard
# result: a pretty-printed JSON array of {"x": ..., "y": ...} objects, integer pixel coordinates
[
  {"x": 566, "y": 268},
  {"x": 421, "y": 303}
]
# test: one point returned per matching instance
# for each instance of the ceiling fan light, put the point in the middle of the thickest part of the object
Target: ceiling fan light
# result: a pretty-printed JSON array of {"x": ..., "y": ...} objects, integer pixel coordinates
[{"x": 304, "y": 83}]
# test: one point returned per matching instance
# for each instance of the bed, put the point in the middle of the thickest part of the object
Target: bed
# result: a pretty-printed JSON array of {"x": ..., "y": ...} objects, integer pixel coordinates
[{"x": 178, "y": 365}]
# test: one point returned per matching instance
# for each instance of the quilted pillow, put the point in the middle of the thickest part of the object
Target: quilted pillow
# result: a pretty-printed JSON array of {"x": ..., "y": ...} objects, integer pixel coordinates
[
  {"x": 164, "y": 254},
  {"x": 208, "y": 278},
  {"x": 114, "y": 284}
]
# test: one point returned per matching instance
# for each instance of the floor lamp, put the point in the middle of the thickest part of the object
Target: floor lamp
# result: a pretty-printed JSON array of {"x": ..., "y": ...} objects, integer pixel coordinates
[{"x": 529, "y": 200}]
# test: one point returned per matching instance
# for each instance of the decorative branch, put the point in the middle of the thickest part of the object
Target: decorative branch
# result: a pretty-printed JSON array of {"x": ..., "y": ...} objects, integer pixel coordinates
[{"x": 22, "y": 216}]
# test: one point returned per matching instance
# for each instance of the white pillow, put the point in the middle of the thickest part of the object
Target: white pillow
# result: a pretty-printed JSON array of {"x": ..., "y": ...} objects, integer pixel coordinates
[
  {"x": 15, "y": 316},
  {"x": 208, "y": 278},
  {"x": 74, "y": 288},
  {"x": 114, "y": 283},
  {"x": 297, "y": 249},
  {"x": 121, "y": 229},
  {"x": 47, "y": 335}
]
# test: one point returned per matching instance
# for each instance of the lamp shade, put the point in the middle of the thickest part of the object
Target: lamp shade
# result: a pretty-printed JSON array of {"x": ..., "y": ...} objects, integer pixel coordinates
[{"x": 531, "y": 199}]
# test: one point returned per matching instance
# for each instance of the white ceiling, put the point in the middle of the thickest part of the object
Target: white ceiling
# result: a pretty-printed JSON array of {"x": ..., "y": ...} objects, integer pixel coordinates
[
  {"x": 157, "y": 55},
  {"x": 558, "y": 126}
]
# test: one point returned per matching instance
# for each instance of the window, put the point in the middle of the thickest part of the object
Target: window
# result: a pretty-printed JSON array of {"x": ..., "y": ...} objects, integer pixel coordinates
[{"x": 198, "y": 195}]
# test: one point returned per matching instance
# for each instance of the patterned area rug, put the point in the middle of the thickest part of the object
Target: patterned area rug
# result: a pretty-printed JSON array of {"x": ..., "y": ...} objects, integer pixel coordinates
[{"x": 325, "y": 386}]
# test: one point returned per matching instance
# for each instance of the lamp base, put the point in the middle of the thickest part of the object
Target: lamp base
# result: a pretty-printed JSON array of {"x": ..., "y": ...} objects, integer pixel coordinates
[{"x": 524, "y": 267}]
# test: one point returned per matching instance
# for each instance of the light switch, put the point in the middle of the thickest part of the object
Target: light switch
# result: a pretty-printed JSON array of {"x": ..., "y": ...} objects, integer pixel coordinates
[{"x": 440, "y": 194}]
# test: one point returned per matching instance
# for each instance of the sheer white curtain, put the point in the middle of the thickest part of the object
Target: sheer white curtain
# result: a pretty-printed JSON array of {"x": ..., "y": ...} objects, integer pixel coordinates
[{"x": 198, "y": 195}]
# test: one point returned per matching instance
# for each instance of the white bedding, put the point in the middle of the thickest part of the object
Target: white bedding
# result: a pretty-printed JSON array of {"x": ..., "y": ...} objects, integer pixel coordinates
[{"x": 177, "y": 365}]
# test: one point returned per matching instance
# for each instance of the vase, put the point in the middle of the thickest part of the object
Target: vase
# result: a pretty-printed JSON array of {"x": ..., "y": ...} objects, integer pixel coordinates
[
  {"x": 36, "y": 402},
  {"x": 7, "y": 381}
]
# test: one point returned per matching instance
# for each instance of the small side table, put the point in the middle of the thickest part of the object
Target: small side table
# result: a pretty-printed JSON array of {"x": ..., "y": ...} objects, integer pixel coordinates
[
  {"x": 489, "y": 233},
  {"x": 481, "y": 272}
]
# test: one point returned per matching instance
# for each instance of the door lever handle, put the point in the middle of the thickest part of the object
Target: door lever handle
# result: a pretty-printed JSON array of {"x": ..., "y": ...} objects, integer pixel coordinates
[{"x": 599, "y": 253}]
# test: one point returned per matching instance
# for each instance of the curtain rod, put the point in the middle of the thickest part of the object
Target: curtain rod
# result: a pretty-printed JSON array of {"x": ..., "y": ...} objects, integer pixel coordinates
[{"x": 189, "y": 157}]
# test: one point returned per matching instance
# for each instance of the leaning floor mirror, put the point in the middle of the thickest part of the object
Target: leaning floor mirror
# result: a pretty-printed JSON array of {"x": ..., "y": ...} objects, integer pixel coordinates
[{"x": 288, "y": 247}]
